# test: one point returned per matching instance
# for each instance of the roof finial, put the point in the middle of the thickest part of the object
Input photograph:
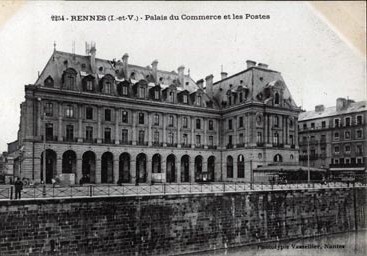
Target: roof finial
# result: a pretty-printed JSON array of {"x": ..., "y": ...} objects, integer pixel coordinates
[
  {"x": 54, "y": 46},
  {"x": 188, "y": 72}
]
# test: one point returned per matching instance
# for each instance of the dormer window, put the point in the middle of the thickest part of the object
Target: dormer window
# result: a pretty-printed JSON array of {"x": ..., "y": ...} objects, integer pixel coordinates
[
  {"x": 141, "y": 92},
  {"x": 185, "y": 99},
  {"x": 124, "y": 90},
  {"x": 156, "y": 94},
  {"x": 69, "y": 79},
  {"x": 107, "y": 88},
  {"x": 240, "y": 96},
  {"x": 170, "y": 96},
  {"x": 49, "y": 82},
  {"x": 276, "y": 101},
  {"x": 89, "y": 85},
  {"x": 198, "y": 101}
]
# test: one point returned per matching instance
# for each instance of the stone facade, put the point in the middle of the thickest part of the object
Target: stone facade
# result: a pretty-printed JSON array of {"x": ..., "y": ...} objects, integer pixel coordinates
[
  {"x": 111, "y": 122},
  {"x": 176, "y": 224},
  {"x": 335, "y": 136}
]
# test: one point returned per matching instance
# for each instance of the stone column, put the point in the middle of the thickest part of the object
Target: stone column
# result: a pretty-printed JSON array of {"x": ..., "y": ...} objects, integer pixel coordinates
[
  {"x": 98, "y": 170},
  {"x": 99, "y": 127},
  {"x": 149, "y": 130},
  {"x": 134, "y": 121},
  {"x": 115, "y": 170},
  {"x": 133, "y": 169},
  {"x": 178, "y": 131},
  {"x": 178, "y": 170},
  {"x": 117, "y": 128},
  {"x": 164, "y": 168},
  {"x": 80, "y": 123},
  {"x": 59, "y": 165},
  {"x": 192, "y": 170},
  {"x": 164, "y": 140},
  {"x": 79, "y": 172},
  {"x": 149, "y": 170},
  {"x": 192, "y": 132}
]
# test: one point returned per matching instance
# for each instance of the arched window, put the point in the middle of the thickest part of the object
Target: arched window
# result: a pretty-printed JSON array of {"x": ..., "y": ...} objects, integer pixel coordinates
[
  {"x": 69, "y": 79},
  {"x": 276, "y": 100},
  {"x": 229, "y": 167},
  {"x": 278, "y": 158},
  {"x": 49, "y": 82},
  {"x": 241, "y": 166}
]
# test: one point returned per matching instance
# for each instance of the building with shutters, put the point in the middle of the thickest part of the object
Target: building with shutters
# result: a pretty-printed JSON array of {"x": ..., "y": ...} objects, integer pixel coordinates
[{"x": 111, "y": 121}]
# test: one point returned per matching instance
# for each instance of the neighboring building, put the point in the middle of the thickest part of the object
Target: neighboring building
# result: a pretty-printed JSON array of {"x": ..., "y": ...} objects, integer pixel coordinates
[
  {"x": 110, "y": 121},
  {"x": 335, "y": 137}
]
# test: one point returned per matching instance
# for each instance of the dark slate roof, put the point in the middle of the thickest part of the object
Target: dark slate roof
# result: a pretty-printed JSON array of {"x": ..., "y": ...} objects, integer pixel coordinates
[{"x": 332, "y": 111}]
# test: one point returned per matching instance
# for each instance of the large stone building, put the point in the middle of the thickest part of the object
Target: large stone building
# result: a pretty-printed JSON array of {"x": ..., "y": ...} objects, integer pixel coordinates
[
  {"x": 111, "y": 121},
  {"x": 335, "y": 137}
]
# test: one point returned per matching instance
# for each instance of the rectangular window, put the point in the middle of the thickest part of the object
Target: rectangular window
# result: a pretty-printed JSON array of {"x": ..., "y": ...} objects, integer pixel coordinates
[
  {"x": 124, "y": 90},
  {"x": 156, "y": 119},
  {"x": 89, "y": 85},
  {"x": 141, "y": 92},
  {"x": 359, "y": 120},
  {"x": 304, "y": 126},
  {"x": 49, "y": 131},
  {"x": 259, "y": 137},
  {"x": 291, "y": 139},
  {"x": 347, "y": 135},
  {"x": 141, "y": 137},
  {"x": 141, "y": 118},
  {"x": 211, "y": 126},
  {"x": 49, "y": 109},
  {"x": 198, "y": 124},
  {"x": 170, "y": 97},
  {"x": 89, "y": 113},
  {"x": 336, "y": 136},
  {"x": 198, "y": 101},
  {"x": 359, "y": 150},
  {"x": 323, "y": 138},
  {"x": 336, "y": 122},
  {"x": 69, "y": 132},
  {"x": 312, "y": 125},
  {"x": 276, "y": 138},
  {"x": 323, "y": 124},
  {"x": 198, "y": 140},
  {"x": 211, "y": 140},
  {"x": 230, "y": 140},
  {"x": 347, "y": 149},
  {"x": 156, "y": 94},
  {"x": 107, "y": 114},
  {"x": 69, "y": 111},
  {"x": 185, "y": 139},
  {"x": 107, "y": 135},
  {"x": 185, "y": 99},
  {"x": 124, "y": 136},
  {"x": 156, "y": 137},
  {"x": 359, "y": 134},
  {"x": 347, "y": 121},
  {"x": 125, "y": 117},
  {"x": 170, "y": 138},
  {"x": 240, "y": 122},
  {"x": 240, "y": 138},
  {"x": 230, "y": 124},
  {"x": 184, "y": 122},
  {"x": 170, "y": 121},
  {"x": 108, "y": 87},
  {"x": 89, "y": 134},
  {"x": 336, "y": 149}
]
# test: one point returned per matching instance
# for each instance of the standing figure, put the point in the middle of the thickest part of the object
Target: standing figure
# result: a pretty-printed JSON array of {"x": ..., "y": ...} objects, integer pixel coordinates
[{"x": 18, "y": 188}]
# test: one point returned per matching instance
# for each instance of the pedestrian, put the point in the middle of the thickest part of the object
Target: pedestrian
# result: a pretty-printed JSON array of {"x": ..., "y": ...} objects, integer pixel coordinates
[{"x": 18, "y": 188}]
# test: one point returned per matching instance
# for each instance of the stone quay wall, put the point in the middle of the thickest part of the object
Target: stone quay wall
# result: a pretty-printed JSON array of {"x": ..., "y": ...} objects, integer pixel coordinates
[{"x": 175, "y": 224}]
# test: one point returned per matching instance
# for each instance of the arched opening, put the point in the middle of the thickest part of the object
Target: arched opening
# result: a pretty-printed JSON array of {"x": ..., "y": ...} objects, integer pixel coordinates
[
  {"x": 241, "y": 166},
  {"x": 211, "y": 168},
  {"x": 171, "y": 168},
  {"x": 198, "y": 168},
  {"x": 107, "y": 168},
  {"x": 276, "y": 100},
  {"x": 229, "y": 167},
  {"x": 124, "y": 168},
  {"x": 89, "y": 167},
  {"x": 69, "y": 162},
  {"x": 278, "y": 158},
  {"x": 185, "y": 168},
  {"x": 156, "y": 163},
  {"x": 50, "y": 166},
  {"x": 141, "y": 168}
]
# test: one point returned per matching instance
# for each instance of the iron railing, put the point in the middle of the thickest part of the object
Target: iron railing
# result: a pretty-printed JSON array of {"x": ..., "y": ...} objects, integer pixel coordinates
[{"x": 7, "y": 192}]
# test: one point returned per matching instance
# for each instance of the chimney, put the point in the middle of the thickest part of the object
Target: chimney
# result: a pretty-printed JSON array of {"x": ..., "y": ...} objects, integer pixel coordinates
[
  {"x": 250, "y": 63},
  {"x": 125, "y": 63},
  {"x": 262, "y": 65},
  {"x": 200, "y": 83},
  {"x": 319, "y": 108},
  {"x": 154, "y": 69},
  {"x": 92, "y": 52},
  {"x": 209, "y": 85},
  {"x": 223, "y": 75},
  {"x": 340, "y": 104},
  {"x": 181, "y": 75}
]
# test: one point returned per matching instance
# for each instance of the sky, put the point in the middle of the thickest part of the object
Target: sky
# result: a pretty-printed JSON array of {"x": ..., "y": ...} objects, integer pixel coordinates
[{"x": 318, "y": 66}]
